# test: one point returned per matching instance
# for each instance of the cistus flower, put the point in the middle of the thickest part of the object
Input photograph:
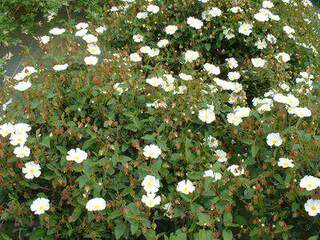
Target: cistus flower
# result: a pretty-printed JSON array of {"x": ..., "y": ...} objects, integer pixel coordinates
[
  {"x": 77, "y": 155},
  {"x": 207, "y": 115},
  {"x": 191, "y": 56},
  {"x": 22, "y": 86},
  {"x": 285, "y": 163},
  {"x": 96, "y": 204},
  {"x": 310, "y": 182},
  {"x": 312, "y": 207},
  {"x": 214, "y": 175},
  {"x": 245, "y": 29},
  {"x": 135, "y": 57},
  {"x": 91, "y": 60},
  {"x": 151, "y": 151},
  {"x": 185, "y": 187},
  {"x": 18, "y": 139},
  {"x": 22, "y": 151},
  {"x": 274, "y": 139},
  {"x": 60, "y": 67},
  {"x": 6, "y": 129},
  {"x": 40, "y": 206},
  {"x": 31, "y": 170},
  {"x": 151, "y": 200},
  {"x": 171, "y": 29},
  {"x": 150, "y": 184}
]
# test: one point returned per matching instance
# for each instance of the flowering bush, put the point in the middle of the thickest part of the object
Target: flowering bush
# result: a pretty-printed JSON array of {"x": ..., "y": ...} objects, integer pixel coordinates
[{"x": 188, "y": 119}]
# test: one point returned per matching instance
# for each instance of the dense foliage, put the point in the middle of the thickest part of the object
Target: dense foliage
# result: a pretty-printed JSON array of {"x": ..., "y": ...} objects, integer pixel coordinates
[
  {"x": 187, "y": 119},
  {"x": 29, "y": 16}
]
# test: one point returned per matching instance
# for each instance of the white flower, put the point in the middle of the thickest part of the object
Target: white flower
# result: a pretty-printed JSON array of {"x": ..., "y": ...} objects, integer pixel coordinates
[
  {"x": 6, "y": 129},
  {"x": 261, "y": 17},
  {"x": 236, "y": 9},
  {"x": 232, "y": 63},
  {"x": 145, "y": 49},
  {"x": 151, "y": 151},
  {"x": 101, "y": 29},
  {"x": 234, "y": 76},
  {"x": 163, "y": 43},
  {"x": 211, "y": 69},
  {"x": 285, "y": 163},
  {"x": 309, "y": 182},
  {"x": 207, "y": 115},
  {"x": 283, "y": 57},
  {"x": 135, "y": 57},
  {"x": 154, "y": 52},
  {"x": 191, "y": 56},
  {"x": 60, "y": 67},
  {"x": 57, "y": 31},
  {"x": 22, "y": 151},
  {"x": 81, "y": 32},
  {"x": 236, "y": 170},
  {"x": 94, "y": 49},
  {"x": 267, "y": 4},
  {"x": 137, "y": 38},
  {"x": 18, "y": 139},
  {"x": 290, "y": 100},
  {"x": 272, "y": 39},
  {"x": 22, "y": 86},
  {"x": 215, "y": 175},
  {"x": 151, "y": 200},
  {"x": 274, "y": 139},
  {"x": 312, "y": 206},
  {"x": 40, "y": 205},
  {"x": 21, "y": 128},
  {"x": 242, "y": 111},
  {"x": 234, "y": 119},
  {"x": 245, "y": 29},
  {"x": 142, "y": 15},
  {"x": 77, "y": 155},
  {"x": 194, "y": 22},
  {"x": 221, "y": 155},
  {"x": 301, "y": 112},
  {"x": 171, "y": 29},
  {"x": 91, "y": 60},
  {"x": 31, "y": 170},
  {"x": 44, "y": 39},
  {"x": 185, "y": 186},
  {"x": 153, "y": 8},
  {"x": 185, "y": 77},
  {"x": 261, "y": 44},
  {"x": 214, "y": 12},
  {"x": 96, "y": 204},
  {"x": 150, "y": 184},
  {"x": 82, "y": 25},
  {"x": 258, "y": 62},
  {"x": 155, "y": 81},
  {"x": 212, "y": 141},
  {"x": 228, "y": 33},
  {"x": 89, "y": 38},
  {"x": 288, "y": 30}
]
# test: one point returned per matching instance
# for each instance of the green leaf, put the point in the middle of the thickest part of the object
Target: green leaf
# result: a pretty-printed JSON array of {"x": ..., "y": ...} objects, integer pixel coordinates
[
  {"x": 120, "y": 230},
  {"x": 203, "y": 218},
  {"x": 87, "y": 144},
  {"x": 134, "y": 226},
  {"x": 205, "y": 235},
  {"x": 227, "y": 218},
  {"x": 46, "y": 141},
  {"x": 314, "y": 237},
  {"x": 227, "y": 234},
  {"x": 75, "y": 215}
]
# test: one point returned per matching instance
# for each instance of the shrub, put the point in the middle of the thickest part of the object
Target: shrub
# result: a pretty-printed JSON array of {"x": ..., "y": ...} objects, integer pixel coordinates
[
  {"x": 149, "y": 142},
  {"x": 29, "y": 16}
]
